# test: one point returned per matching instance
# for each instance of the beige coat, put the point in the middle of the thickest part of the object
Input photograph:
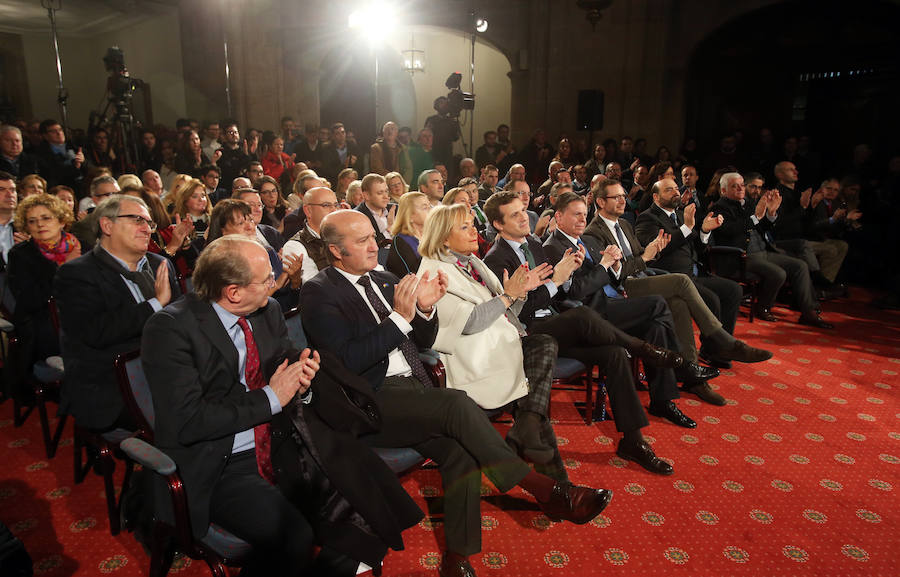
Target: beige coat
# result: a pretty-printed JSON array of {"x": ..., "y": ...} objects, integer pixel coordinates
[{"x": 486, "y": 365}]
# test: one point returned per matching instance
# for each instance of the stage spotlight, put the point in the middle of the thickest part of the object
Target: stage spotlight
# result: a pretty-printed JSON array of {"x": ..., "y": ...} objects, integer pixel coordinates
[
  {"x": 378, "y": 17},
  {"x": 481, "y": 25}
]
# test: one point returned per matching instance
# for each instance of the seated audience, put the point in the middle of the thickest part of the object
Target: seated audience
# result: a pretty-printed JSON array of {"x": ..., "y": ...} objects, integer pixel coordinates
[
  {"x": 375, "y": 205},
  {"x": 307, "y": 244},
  {"x": 346, "y": 310},
  {"x": 86, "y": 229},
  {"x": 192, "y": 203},
  {"x": 274, "y": 207},
  {"x": 190, "y": 158},
  {"x": 431, "y": 184},
  {"x": 67, "y": 195},
  {"x": 276, "y": 162},
  {"x": 224, "y": 374},
  {"x": 12, "y": 158},
  {"x": 58, "y": 161},
  {"x": 397, "y": 187},
  {"x": 31, "y": 184}
]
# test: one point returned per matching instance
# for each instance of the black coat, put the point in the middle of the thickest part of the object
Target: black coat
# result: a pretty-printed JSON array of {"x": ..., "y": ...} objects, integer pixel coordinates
[
  {"x": 337, "y": 319},
  {"x": 502, "y": 257},
  {"x": 27, "y": 165},
  {"x": 349, "y": 495},
  {"x": 590, "y": 278},
  {"x": 100, "y": 320},
  {"x": 682, "y": 252}
]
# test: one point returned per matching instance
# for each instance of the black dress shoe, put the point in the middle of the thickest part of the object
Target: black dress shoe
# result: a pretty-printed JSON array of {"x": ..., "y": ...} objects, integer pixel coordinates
[
  {"x": 692, "y": 373},
  {"x": 713, "y": 360},
  {"x": 765, "y": 314},
  {"x": 671, "y": 412},
  {"x": 743, "y": 353},
  {"x": 658, "y": 356},
  {"x": 455, "y": 568},
  {"x": 642, "y": 454},
  {"x": 574, "y": 503},
  {"x": 705, "y": 392},
  {"x": 814, "y": 320}
]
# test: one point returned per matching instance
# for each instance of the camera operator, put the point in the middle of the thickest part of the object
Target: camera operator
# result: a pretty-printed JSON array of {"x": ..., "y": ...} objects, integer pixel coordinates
[{"x": 445, "y": 129}]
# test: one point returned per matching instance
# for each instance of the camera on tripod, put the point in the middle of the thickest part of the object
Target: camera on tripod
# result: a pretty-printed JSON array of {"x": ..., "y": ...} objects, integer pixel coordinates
[
  {"x": 457, "y": 100},
  {"x": 120, "y": 84}
]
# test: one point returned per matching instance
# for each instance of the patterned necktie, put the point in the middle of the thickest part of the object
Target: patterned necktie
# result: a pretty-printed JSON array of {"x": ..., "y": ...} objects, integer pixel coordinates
[
  {"x": 407, "y": 347},
  {"x": 626, "y": 249},
  {"x": 253, "y": 375},
  {"x": 675, "y": 219},
  {"x": 529, "y": 258}
]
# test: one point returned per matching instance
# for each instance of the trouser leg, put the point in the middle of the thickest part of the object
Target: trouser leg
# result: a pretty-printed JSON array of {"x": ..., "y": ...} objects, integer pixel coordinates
[{"x": 771, "y": 277}]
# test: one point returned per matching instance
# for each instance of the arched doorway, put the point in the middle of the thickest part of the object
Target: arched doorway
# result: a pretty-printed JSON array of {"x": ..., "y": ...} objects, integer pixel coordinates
[{"x": 827, "y": 70}]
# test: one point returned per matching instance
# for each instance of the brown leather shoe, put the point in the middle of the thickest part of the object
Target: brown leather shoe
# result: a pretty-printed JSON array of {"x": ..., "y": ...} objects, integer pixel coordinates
[
  {"x": 574, "y": 503},
  {"x": 455, "y": 568},
  {"x": 658, "y": 356},
  {"x": 706, "y": 394},
  {"x": 642, "y": 454},
  {"x": 743, "y": 353}
]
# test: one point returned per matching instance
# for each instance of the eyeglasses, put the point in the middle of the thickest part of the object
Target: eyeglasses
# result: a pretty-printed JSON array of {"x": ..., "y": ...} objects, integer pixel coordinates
[
  {"x": 138, "y": 220},
  {"x": 41, "y": 219},
  {"x": 615, "y": 197},
  {"x": 269, "y": 282},
  {"x": 102, "y": 194},
  {"x": 232, "y": 132},
  {"x": 334, "y": 205}
]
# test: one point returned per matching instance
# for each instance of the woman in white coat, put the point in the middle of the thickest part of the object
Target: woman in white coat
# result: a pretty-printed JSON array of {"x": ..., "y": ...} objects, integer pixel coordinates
[{"x": 483, "y": 346}]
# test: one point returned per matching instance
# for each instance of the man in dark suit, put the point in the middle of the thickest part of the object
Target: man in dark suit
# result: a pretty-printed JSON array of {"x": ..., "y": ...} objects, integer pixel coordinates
[
  {"x": 58, "y": 162},
  {"x": 376, "y": 324},
  {"x": 678, "y": 290},
  {"x": 12, "y": 159},
  {"x": 338, "y": 154},
  {"x": 377, "y": 207},
  {"x": 582, "y": 333},
  {"x": 681, "y": 255},
  {"x": 104, "y": 298},
  {"x": 744, "y": 226},
  {"x": 646, "y": 317},
  {"x": 222, "y": 368}
]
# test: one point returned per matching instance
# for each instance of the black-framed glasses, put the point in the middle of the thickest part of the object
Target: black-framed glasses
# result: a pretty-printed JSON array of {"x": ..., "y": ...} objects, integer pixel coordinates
[
  {"x": 138, "y": 220},
  {"x": 615, "y": 197}
]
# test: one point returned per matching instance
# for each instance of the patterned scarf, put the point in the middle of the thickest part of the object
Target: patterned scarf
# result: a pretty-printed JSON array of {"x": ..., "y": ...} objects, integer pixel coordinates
[{"x": 59, "y": 251}]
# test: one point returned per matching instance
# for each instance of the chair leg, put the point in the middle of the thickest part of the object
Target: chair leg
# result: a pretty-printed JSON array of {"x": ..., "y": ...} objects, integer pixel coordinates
[
  {"x": 79, "y": 470},
  {"x": 107, "y": 463},
  {"x": 588, "y": 399},
  {"x": 162, "y": 551},
  {"x": 41, "y": 403},
  {"x": 20, "y": 412},
  {"x": 752, "y": 302},
  {"x": 376, "y": 571}
]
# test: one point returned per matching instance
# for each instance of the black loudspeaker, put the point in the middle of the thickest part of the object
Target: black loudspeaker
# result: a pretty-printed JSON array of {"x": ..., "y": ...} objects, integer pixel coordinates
[{"x": 590, "y": 110}]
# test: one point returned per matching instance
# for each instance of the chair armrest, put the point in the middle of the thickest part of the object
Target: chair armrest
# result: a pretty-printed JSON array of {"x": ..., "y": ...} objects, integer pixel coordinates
[{"x": 148, "y": 455}]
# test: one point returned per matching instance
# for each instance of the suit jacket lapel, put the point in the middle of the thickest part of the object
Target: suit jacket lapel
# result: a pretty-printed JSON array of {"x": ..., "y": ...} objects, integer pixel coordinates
[
  {"x": 351, "y": 297},
  {"x": 211, "y": 327}
]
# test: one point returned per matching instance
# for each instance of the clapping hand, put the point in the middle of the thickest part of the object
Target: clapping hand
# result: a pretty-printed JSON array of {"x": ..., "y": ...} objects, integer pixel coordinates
[
  {"x": 525, "y": 280},
  {"x": 712, "y": 222},
  {"x": 430, "y": 290},
  {"x": 656, "y": 245},
  {"x": 612, "y": 254}
]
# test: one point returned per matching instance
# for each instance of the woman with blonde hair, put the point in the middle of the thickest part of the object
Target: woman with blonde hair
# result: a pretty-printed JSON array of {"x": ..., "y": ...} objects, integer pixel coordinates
[
  {"x": 344, "y": 178},
  {"x": 403, "y": 257},
  {"x": 397, "y": 187},
  {"x": 31, "y": 184},
  {"x": 484, "y": 348}
]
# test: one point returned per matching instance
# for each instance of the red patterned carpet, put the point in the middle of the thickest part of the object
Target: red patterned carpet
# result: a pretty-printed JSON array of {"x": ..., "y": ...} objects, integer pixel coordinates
[{"x": 798, "y": 475}]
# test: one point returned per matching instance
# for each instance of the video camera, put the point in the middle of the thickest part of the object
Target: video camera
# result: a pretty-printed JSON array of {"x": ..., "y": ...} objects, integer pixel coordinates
[
  {"x": 457, "y": 100},
  {"x": 121, "y": 86}
]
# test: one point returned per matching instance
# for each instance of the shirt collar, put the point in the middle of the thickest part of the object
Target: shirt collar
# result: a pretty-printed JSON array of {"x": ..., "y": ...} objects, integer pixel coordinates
[
  {"x": 228, "y": 319},
  {"x": 350, "y": 277},
  {"x": 140, "y": 263},
  {"x": 610, "y": 223},
  {"x": 572, "y": 239}
]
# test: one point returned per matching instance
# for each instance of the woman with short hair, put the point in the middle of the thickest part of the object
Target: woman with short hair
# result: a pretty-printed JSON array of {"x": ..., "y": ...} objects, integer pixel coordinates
[{"x": 483, "y": 346}]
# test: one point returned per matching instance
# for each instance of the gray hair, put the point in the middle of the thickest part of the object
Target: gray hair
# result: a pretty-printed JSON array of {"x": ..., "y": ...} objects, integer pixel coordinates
[
  {"x": 728, "y": 176},
  {"x": 423, "y": 178},
  {"x": 102, "y": 179},
  {"x": 9, "y": 128},
  {"x": 110, "y": 208},
  {"x": 222, "y": 263}
]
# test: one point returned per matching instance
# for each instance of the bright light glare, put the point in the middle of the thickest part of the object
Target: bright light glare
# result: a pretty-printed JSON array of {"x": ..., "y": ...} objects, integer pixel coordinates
[
  {"x": 481, "y": 25},
  {"x": 378, "y": 17}
]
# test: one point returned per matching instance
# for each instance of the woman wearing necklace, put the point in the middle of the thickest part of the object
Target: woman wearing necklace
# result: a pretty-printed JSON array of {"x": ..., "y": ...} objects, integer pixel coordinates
[
  {"x": 482, "y": 344},
  {"x": 32, "y": 265}
]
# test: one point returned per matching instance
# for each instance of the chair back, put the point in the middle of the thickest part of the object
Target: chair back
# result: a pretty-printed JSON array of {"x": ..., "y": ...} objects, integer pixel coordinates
[
  {"x": 383, "y": 253},
  {"x": 295, "y": 328},
  {"x": 136, "y": 392},
  {"x": 7, "y": 300}
]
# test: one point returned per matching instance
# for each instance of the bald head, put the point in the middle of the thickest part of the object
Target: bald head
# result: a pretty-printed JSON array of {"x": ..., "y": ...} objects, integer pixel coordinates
[
  {"x": 313, "y": 201},
  {"x": 350, "y": 240}
]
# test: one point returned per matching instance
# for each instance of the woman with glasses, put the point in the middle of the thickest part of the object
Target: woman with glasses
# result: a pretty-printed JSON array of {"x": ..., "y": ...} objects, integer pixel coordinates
[
  {"x": 32, "y": 266},
  {"x": 274, "y": 207},
  {"x": 397, "y": 187},
  {"x": 403, "y": 258},
  {"x": 233, "y": 216}
]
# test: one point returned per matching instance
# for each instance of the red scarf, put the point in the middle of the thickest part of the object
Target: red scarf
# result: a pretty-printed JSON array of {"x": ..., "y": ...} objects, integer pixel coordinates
[{"x": 59, "y": 251}]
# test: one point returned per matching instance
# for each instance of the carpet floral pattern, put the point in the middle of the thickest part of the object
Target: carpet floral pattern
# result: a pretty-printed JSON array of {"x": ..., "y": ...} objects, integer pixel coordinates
[{"x": 798, "y": 475}]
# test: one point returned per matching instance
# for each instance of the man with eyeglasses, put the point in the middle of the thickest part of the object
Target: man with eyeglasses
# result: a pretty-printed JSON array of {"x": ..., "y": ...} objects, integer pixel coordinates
[
  {"x": 317, "y": 204},
  {"x": 235, "y": 155},
  {"x": 631, "y": 275},
  {"x": 104, "y": 298},
  {"x": 85, "y": 229}
]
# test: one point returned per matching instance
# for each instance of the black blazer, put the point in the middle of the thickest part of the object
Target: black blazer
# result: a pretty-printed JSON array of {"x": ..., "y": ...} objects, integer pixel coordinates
[
  {"x": 604, "y": 236},
  {"x": 736, "y": 228},
  {"x": 30, "y": 279},
  {"x": 681, "y": 252},
  {"x": 590, "y": 278},
  {"x": 502, "y": 257},
  {"x": 272, "y": 236},
  {"x": 192, "y": 369},
  {"x": 57, "y": 169},
  {"x": 100, "y": 319},
  {"x": 402, "y": 259},
  {"x": 337, "y": 319},
  {"x": 27, "y": 165}
]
